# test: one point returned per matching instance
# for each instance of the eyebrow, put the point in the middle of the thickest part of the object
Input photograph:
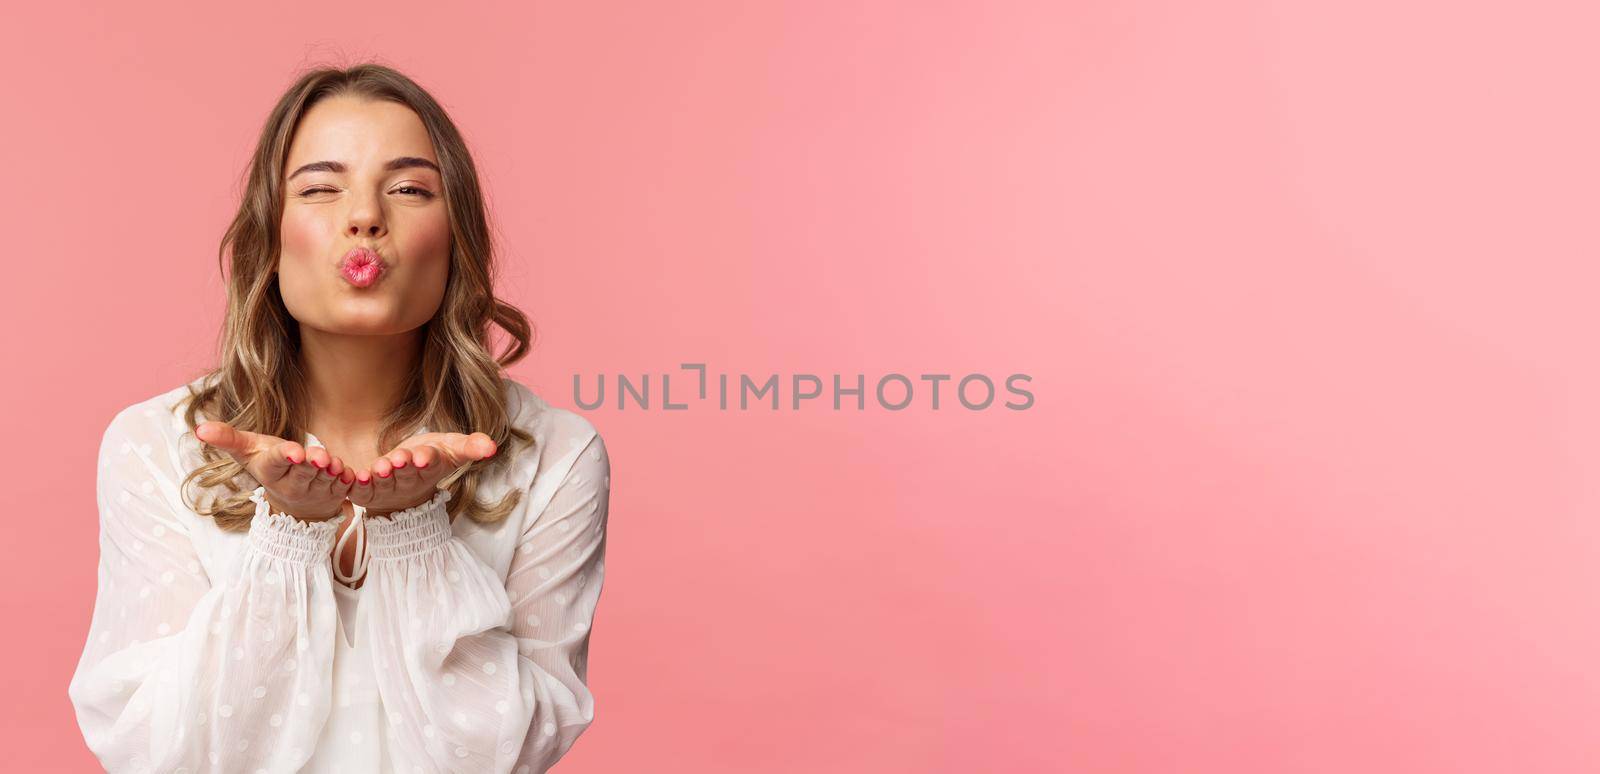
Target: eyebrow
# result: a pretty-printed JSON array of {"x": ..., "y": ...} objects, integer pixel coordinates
[{"x": 403, "y": 162}]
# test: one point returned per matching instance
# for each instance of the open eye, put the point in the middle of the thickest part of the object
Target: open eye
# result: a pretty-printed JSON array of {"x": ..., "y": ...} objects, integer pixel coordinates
[{"x": 422, "y": 192}]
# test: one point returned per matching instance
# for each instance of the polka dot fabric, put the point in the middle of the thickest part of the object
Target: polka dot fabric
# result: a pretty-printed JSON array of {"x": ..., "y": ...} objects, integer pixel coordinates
[{"x": 214, "y": 651}]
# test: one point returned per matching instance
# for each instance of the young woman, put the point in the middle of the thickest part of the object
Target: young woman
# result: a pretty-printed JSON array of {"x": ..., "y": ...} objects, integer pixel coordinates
[{"x": 355, "y": 544}]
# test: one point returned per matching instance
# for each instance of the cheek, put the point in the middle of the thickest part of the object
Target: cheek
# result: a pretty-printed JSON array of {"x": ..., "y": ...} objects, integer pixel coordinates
[
  {"x": 428, "y": 238},
  {"x": 304, "y": 242},
  {"x": 304, "y": 237},
  {"x": 426, "y": 244}
]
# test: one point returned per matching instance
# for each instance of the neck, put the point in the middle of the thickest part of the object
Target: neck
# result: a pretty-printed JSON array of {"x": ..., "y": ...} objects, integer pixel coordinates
[{"x": 353, "y": 381}]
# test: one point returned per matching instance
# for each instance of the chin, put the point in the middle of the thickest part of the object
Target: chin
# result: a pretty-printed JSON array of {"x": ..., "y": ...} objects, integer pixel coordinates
[{"x": 361, "y": 322}]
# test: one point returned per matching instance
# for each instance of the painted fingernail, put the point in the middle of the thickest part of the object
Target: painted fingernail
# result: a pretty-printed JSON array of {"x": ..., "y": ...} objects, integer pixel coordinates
[{"x": 383, "y": 475}]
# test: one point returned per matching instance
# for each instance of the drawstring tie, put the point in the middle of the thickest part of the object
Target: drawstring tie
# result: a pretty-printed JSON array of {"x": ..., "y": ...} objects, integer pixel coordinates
[{"x": 358, "y": 528}]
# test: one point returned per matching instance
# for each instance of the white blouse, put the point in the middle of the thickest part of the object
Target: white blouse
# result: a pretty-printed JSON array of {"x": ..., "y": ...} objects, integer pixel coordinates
[{"x": 465, "y": 649}]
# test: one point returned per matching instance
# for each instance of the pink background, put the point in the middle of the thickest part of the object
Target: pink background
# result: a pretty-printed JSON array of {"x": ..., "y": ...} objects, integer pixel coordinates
[{"x": 1306, "y": 295}]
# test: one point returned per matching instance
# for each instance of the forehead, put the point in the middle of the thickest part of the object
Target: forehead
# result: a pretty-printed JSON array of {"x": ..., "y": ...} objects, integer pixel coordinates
[{"x": 359, "y": 132}]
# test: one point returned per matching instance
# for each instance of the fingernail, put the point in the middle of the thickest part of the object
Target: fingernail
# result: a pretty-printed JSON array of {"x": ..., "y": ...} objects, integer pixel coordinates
[
  {"x": 421, "y": 465},
  {"x": 383, "y": 475}
]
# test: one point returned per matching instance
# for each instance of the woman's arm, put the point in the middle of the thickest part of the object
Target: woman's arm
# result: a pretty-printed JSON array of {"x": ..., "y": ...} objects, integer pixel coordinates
[
  {"x": 178, "y": 672},
  {"x": 480, "y": 676}
]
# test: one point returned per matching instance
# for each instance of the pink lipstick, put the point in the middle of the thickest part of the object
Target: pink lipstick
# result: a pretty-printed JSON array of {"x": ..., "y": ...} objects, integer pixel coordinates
[{"x": 362, "y": 266}]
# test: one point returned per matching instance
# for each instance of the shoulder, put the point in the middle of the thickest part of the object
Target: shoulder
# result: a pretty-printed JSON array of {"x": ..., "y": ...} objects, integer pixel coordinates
[
  {"x": 564, "y": 442},
  {"x": 551, "y": 425},
  {"x": 569, "y": 465},
  {"x": 148, "y": 441},
  {"x": 154, "y": 419}
]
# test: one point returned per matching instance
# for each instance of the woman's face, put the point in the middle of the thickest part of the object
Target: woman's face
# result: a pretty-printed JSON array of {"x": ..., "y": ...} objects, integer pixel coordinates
[{"x": 362, "y": 173}]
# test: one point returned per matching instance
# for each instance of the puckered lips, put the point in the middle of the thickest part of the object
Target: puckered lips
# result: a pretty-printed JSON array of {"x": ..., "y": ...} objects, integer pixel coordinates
[{"x": 362, "y": 267}]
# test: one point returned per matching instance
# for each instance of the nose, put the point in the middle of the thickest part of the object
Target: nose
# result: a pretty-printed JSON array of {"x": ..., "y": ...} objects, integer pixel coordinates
[
  {"x": 366, "y": 219},
  {"x": 366, "y": 228}
]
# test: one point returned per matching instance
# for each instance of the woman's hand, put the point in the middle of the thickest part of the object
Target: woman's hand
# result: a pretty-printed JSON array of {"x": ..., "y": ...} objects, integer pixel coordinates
[
  {"x": 409, "y": 475},
  {"x": 308, "y": 484}
]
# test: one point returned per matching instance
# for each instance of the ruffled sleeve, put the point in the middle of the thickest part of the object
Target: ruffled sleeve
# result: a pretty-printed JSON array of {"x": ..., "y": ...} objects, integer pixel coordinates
[
  {"x": 182, "y": 671},
  {"x": 479, "y": 674}
]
